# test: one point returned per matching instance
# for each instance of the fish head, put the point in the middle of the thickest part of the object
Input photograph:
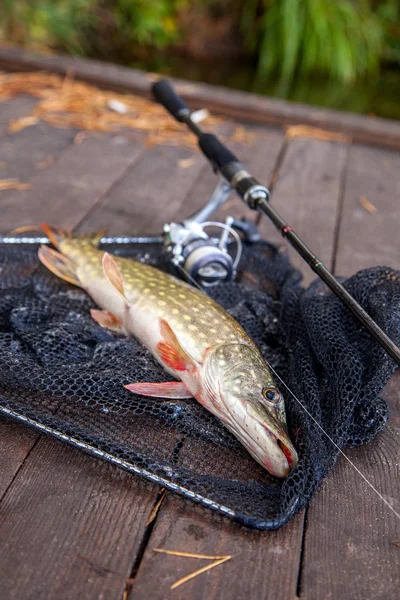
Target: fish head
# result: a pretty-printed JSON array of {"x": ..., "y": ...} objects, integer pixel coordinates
[{"x": 251, "y": 406}]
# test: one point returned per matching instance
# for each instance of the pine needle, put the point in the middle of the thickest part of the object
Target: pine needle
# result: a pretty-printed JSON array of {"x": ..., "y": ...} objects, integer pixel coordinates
[
  {"x": 198, "y": 572},
  {"x": 65, "y": 102},
  {"x": 188, "y": 554},
  {"x": 218, "y": 560},
  {"x": 19, "y": 124},
  {"x": 304, "y": 131},
  {"x": 184, "y": 163},
  {"x": 367, "y": 205},
  {"x": 45, "y": 163},
  {"x": 13, "y": 184},
  {"x": 26, "y": 229},
  {"x": 156, "y": 507}
]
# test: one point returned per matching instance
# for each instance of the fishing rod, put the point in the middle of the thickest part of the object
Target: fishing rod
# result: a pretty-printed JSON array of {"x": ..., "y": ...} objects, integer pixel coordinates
[{"x": 257, "y": 197}]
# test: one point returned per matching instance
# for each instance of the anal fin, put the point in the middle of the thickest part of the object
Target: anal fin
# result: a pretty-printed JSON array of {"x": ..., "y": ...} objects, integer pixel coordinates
[
  {"x": 168, "y": 389},
  {"x": 106, "y": 319},
  {"x": 59, "y": 264}
]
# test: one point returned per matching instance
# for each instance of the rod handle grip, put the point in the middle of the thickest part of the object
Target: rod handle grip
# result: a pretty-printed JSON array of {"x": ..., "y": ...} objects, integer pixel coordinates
[
  {"x": 215, "y": 151},
  {"x": 165, "y": 94}
]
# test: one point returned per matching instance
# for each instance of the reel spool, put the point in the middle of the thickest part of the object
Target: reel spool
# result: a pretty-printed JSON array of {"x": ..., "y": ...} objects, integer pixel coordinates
[{"x": 200, "y": 258}]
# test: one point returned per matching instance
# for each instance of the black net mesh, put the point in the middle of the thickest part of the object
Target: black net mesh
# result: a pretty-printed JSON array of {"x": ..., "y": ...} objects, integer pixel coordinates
[{"x": 64, "y": 374}]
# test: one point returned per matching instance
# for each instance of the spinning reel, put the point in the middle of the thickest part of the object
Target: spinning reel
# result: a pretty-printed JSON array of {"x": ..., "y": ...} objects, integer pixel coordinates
[{"x": 201, "y": 257}]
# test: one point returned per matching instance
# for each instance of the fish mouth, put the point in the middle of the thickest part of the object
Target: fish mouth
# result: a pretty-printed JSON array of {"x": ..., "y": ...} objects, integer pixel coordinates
[
  {"x": 282, "y": 456},
  {"x": 273, "y": 450}
]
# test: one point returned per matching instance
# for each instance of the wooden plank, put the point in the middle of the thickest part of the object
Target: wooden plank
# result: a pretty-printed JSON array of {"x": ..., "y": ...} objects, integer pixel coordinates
[
  {"x": 181, "y": 182},
  {"x": 64, "y": 192},
  {"x": 307, "y": 194},
  {"x": 367, "y": 239},
  {"x": 351, "y": 543},
  {"x": 92, "y": 523},
  {"x": 26, "y": 153},
  {"x": 74, "y": 523},
  {"x": 20, "y": 155},
  {"x": 16, "y": 442},
  {"x": 149, "y": 195},
  {"x": 232, "y": 103},
  {"x": 263, "y": 565},
  {"x": 182, "y": 526},
  {"x": 350, "y": 530},
  {"x": 15, "y": 108}
]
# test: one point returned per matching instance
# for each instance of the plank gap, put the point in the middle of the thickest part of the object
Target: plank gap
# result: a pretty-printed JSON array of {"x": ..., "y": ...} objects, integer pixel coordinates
[
  {"x": 143, "y": 544},
  {"x": 274, "y": 175},
  {"x": 339, "y": 213},
  {"x": 302, "y": 553},
  {"x": 149, "y": 527},
  {"x": 107, "y": 192},
  {"x": 19, "y": 469}
]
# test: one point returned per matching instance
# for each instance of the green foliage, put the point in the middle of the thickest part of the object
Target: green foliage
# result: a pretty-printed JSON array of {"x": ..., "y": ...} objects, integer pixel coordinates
[
  {"x": 146, "y": 22},
  {"x": 77, "y": 25},
  {"x": 340, "y": 38},
  {"x": 389, "y": 14}
]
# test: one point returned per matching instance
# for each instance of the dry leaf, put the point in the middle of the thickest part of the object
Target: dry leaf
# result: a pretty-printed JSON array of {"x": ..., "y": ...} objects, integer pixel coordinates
[
  {"x": 298, "y": 131},
  {"x": 367, "y": 205},
  {"x": 13, "y": 184}
]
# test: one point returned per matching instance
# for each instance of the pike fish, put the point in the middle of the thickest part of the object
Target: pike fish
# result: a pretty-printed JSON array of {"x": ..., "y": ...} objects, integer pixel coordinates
[{"x": 192, "y": 337}]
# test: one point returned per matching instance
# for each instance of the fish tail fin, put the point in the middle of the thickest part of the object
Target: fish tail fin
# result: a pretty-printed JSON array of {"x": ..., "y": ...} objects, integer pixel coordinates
[
  {"x": 60, "y": 265},
  {"x": 55, "y": 235}
]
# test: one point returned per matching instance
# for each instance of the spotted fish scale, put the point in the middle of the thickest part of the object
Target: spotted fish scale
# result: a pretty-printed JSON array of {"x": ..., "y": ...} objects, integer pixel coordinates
[{"x": 193, "y": 338}]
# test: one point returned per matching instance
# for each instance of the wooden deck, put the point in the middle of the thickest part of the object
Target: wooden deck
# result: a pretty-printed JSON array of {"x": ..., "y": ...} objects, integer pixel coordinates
[{"x": 73, "y": 527}]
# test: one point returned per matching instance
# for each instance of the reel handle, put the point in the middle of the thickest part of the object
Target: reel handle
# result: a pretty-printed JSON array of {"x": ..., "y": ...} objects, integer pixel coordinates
[{"x": 165, "y": 94}]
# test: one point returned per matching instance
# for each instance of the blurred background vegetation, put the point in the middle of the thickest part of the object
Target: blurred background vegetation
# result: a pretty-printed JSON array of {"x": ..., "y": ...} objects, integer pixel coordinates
[{"x": 338, "y": 53}]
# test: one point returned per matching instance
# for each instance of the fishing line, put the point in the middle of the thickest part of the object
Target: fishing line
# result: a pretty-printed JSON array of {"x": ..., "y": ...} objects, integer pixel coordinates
[
  {"x": 336, "y": 446},
  {"x": 315, "y": 421},
  {"x": 191, "y": 279}
]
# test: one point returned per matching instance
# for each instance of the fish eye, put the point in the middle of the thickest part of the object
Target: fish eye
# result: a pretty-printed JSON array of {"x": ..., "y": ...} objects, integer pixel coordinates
[{"x": 271, "y": 394}]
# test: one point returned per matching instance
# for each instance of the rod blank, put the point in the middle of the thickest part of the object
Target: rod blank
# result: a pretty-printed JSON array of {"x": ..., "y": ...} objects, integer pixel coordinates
[{"x": 256, "y": 197}]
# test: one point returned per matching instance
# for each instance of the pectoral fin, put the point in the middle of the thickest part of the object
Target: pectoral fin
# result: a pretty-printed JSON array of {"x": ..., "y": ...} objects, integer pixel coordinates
[
  {"x": 170, "y": 350},
  {"x": 169, "y": 389},
  {"x": 106, "y": 319},
  {"x": 58, "y": 264},
  {"x": 113, "y": 274}
]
